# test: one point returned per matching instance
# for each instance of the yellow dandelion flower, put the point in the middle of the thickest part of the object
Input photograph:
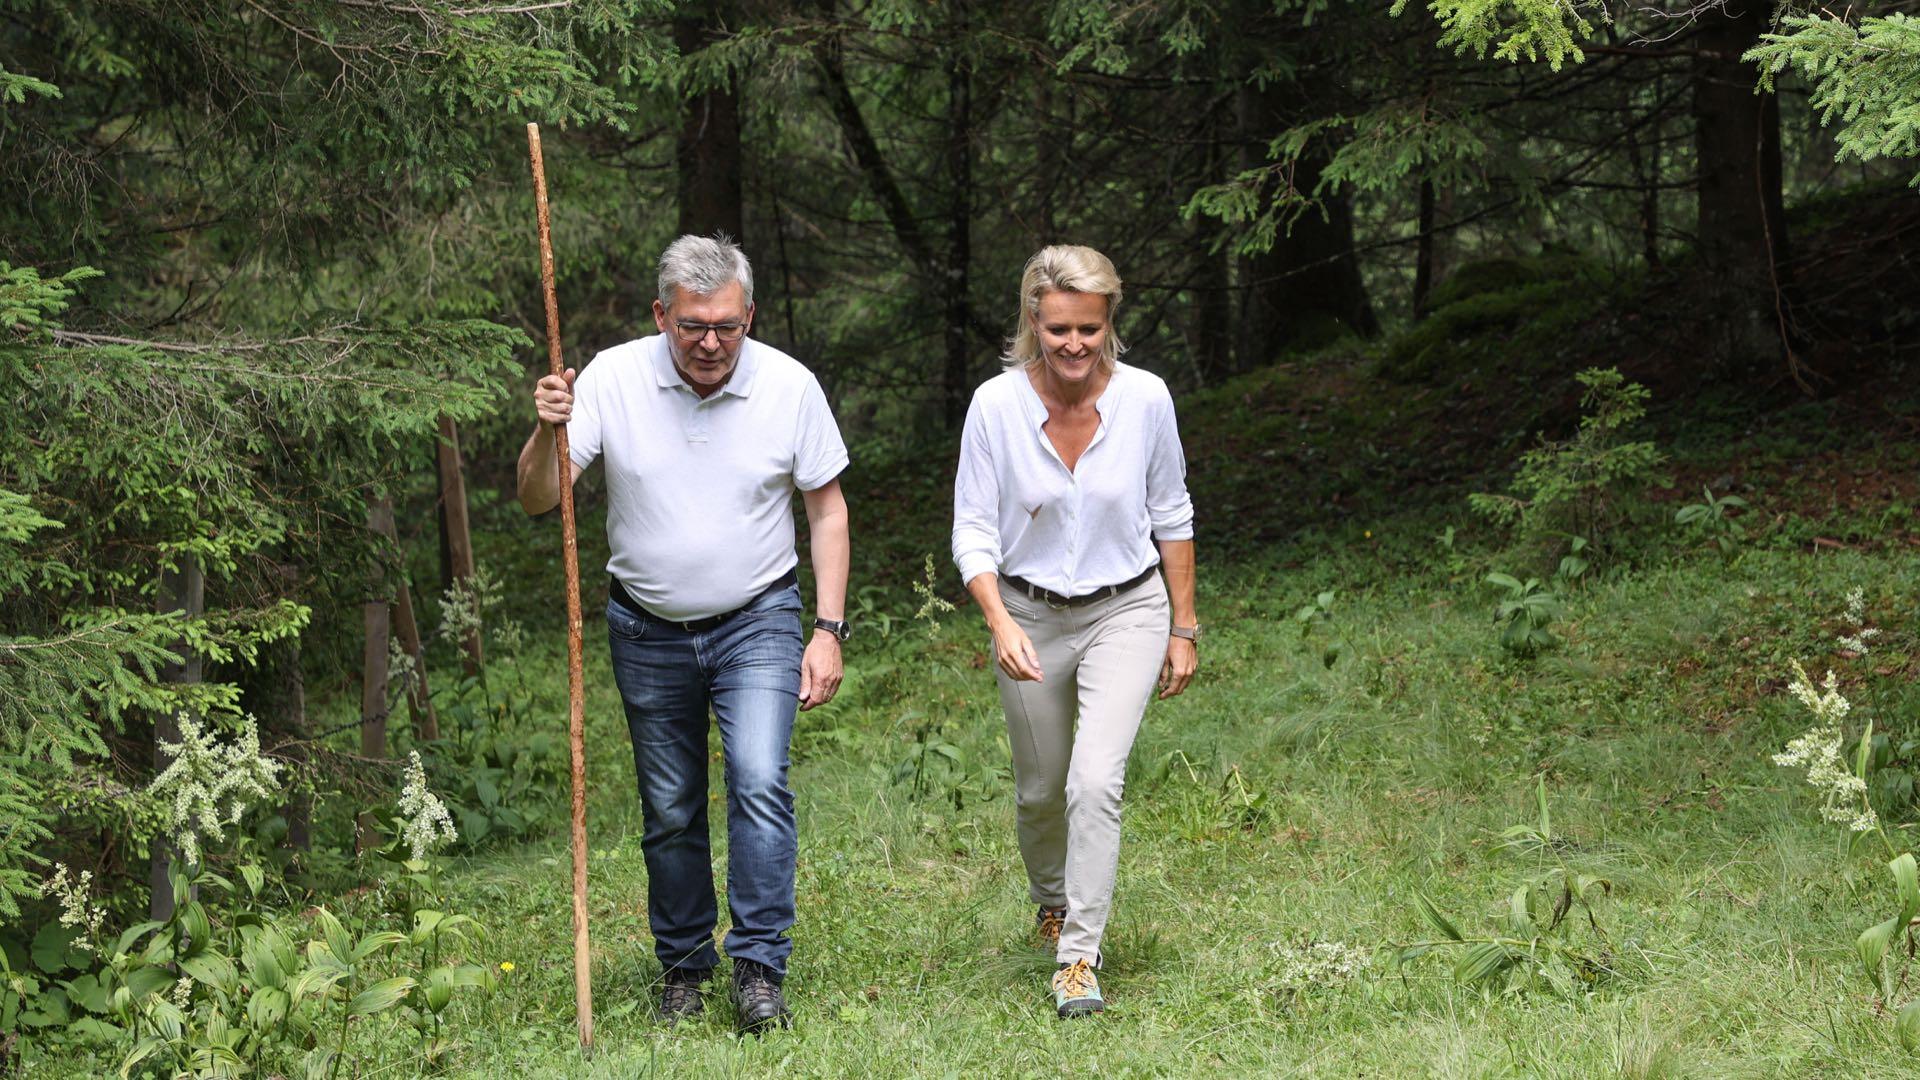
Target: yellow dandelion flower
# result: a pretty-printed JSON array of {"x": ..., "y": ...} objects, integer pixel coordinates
[{"x": 506, "y": 965}]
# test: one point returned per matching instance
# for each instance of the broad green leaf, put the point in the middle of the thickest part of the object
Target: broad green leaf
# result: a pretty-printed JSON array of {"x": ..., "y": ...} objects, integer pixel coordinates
[
  {"x": 424, "y": 922},
  {"x": 196, "y": 925},
  {"x": 267, "y": 1007},
  {"x": 1520, "y": 912},
  {"x": 1482, "y": 962},
  {"x": 212, "y": 969},
  {"x": 1872, "y": 947},
  {"x": 1906, "y": 877},
  {"x": 145, "y": 980},
  {"x": 373, "y": 943},
  {"x": 1908, "y": 1025},
  {"x": 1438, "y": 921},
  {"x": 338, "y": 942},
  {"x": 142, "y": 1050},
  {"x": 379, "y": 997}
]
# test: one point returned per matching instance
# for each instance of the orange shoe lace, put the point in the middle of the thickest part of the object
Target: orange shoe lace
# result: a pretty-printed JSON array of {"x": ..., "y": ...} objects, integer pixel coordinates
[
  {"x": 1049, "y": 924},
  {"x": 1075, "y": 980}
]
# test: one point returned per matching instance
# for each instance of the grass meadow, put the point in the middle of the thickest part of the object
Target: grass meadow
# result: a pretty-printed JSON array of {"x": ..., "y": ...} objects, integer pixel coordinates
[{"x": 1282, "y": 803}]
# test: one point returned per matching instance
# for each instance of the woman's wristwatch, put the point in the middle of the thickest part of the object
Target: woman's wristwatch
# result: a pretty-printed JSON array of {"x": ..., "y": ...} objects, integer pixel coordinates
[{"x": 1191, "y": 633}]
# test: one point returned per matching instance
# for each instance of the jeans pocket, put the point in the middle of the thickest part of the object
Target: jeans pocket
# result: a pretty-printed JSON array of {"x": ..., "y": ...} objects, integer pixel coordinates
[{"x": 625, "y": 624}]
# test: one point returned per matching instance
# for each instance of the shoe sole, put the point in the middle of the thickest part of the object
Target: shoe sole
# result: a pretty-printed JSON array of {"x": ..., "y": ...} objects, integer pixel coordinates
[
  {"x": 783, "y": 1022},
  {"x": 1074, "y": 1011}
]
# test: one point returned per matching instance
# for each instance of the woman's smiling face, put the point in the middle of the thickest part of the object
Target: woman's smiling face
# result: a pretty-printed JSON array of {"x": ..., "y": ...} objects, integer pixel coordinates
[{"x": 1072, "y": 328}]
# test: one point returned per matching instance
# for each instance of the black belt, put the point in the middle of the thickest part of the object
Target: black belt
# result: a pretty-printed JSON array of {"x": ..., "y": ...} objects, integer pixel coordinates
[
  {"x": 1054, "y": 599},
  {"x": 618, "y": 594}
]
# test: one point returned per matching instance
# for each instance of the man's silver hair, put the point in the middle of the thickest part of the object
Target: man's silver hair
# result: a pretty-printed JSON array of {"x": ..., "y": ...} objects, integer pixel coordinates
[{"x": 704, "y": 265}]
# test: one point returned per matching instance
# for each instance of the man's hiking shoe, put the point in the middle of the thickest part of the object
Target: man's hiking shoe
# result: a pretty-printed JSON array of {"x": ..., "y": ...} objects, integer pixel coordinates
[
  {"x": 757, "y": 1003},
  {"x": 1047, "y": 924},
  {"x": 1076, "y": 992},
  {"x": 680, "y": 995}
]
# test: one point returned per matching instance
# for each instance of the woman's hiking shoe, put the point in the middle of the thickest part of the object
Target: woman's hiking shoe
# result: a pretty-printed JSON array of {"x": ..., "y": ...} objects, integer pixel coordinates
[
  {"x": 680, "y": 994},
  {"x": 1047, "y": 924},
  {"x": 757, "y": 1002},
  {"x": 1076, "y": 992}
]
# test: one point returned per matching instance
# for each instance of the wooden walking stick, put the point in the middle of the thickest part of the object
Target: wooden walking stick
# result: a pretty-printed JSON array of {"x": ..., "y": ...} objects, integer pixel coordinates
[{"x": 576, "y": 688}]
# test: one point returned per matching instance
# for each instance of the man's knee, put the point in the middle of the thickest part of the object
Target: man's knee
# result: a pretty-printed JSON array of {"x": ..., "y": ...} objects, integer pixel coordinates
[{"x": 670, "y": 809}]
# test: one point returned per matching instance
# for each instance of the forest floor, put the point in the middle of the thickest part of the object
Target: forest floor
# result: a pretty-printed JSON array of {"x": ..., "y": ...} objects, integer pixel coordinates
[{"x": 1285, "y": 816}]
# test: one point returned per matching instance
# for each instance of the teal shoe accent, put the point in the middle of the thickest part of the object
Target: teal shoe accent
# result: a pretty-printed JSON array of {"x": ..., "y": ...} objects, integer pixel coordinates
[{"x": 1076, "y": 991}]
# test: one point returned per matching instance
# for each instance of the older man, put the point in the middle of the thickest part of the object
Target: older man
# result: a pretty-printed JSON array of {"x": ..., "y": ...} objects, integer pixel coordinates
[{"x": 706, "y": 435}]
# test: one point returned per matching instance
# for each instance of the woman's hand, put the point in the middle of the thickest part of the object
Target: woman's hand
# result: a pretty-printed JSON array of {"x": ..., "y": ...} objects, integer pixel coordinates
[
  {"x": 1014, "y": 652},
  {"x": 1176, "y": 671}
]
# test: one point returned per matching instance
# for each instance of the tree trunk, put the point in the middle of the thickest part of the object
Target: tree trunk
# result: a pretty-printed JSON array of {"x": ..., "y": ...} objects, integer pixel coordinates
[
  {"x": 183, "y": 590},
  {"x": 294, "y": 720},
  {"x": 707, "y": 152},
  {"x": 1742, "y": 240},
  {"x": 426, "y": 722},
  {"x": 1423, "y": 251},
  {"x": 1305, "y": 291},
  {"x": 959, "y": 259},
  {"x": 373, "y": 671},
  {"x": 453, "y": 488}
]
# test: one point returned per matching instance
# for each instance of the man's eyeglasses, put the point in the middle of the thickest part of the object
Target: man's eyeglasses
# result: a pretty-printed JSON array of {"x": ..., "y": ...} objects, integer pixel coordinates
[{"x": 697, "y": 331}]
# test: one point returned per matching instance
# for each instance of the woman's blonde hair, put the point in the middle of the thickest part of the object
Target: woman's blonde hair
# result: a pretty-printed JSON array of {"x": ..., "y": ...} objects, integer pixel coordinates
[{"x": 1066, "y": 268}]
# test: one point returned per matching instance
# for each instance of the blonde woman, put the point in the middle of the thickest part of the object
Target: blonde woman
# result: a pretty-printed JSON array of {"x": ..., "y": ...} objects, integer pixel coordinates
[{"x": 1069, "y": 507}]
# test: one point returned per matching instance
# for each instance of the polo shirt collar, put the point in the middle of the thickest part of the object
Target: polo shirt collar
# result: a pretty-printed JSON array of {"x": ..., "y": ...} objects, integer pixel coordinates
[{"x": 666, "y": 376}]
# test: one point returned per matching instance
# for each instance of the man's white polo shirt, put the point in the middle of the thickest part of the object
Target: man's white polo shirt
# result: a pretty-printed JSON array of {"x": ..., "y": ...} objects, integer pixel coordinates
[{"x": 700, "y": 492}]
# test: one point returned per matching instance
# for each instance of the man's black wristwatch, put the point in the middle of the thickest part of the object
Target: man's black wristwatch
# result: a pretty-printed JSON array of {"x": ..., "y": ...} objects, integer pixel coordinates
[{"x": 839, "y": 628}]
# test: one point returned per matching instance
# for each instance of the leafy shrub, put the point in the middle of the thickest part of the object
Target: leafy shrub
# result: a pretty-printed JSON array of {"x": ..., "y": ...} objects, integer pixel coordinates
[
  {"x": 1581, "y": 487},
  {"x": 1538, "y": 943},
  {"x": 1525, "y": 610}
]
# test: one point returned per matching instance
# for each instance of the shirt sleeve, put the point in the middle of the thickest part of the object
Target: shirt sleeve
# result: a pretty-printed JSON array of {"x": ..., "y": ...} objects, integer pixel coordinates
[
  {"x": 976, "y": 500},
  {"x": 583, "y": 427},
  {"x": 1169, "y": 507},
  {"x": 819, "y": 454}
]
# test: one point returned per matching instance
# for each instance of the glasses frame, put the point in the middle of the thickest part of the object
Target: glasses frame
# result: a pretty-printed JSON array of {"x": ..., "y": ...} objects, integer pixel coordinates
[{"x": 692, "y": 332}]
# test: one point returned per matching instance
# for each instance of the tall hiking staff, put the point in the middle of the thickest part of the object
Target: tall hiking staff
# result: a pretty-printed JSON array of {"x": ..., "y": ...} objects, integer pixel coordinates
[{"x": 576, "y": 688}]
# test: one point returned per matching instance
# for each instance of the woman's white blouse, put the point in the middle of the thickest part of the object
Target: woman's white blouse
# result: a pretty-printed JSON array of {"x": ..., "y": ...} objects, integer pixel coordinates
[{"x": 1018, "y": 510}]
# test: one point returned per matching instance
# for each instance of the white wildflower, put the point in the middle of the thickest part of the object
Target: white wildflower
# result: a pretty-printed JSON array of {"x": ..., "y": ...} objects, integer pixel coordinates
[
  {"x": 403, "y": 675},
  {"x": 70, "y": 891},
  {"x": 425, "y": 823},
  {"x": 464, "y": 607},
  {"x": 509, "y": 635},
  {"x": 932, "y": 604},
  {"x": 182, "y": 995},
  {"x": 1319, "y": 963},
  {"x": 204, "y": 775},
  {"x": 1819, "y": 752},
  {"x": 1856, "y": 617}
]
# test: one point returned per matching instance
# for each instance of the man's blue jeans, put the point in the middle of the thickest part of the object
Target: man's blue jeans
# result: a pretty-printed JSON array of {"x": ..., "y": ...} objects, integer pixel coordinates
[{"x": 748, "y": 670}]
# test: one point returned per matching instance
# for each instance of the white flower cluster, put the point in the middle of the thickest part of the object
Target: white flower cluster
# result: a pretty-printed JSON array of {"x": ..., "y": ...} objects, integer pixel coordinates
[
  {"x": 464, "y": 607},
  {"x": 509, "y": 635},
  {"x": 403, "y": 675},
  {"x": 1856, "y": 617},
  {"x": 1843, "y": 794},
  {"x": 70, "y": 891},
  {"x": 207, "y": 777},
  {"x": 1319, "y": 963},
  {"x": 932, "y": 604},
  {"x": 425, "y": 823}
]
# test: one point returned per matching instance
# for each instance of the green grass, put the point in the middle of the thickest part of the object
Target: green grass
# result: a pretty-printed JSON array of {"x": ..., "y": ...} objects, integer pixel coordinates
[{"x": 1391, "y": 773}]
